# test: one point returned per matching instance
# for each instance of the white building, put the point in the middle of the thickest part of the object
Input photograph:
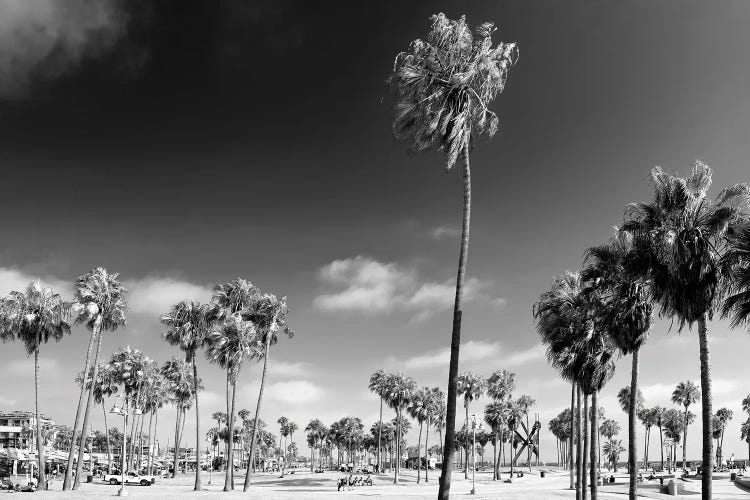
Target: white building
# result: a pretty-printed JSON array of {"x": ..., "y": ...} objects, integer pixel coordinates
[{"x": 17, "y": 428}]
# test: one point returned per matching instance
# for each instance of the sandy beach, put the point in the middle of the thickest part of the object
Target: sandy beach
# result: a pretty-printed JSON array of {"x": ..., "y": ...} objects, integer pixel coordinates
[{"x": 304, "y": 485}]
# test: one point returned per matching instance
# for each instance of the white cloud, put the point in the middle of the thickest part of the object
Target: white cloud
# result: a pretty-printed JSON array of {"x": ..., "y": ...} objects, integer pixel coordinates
[
  {"x": 472, "y": 351},
  {"x": 288, "y": 393},
  {"x": 13, "y": 279},
  {"x": 445, "y": 232},
  {"x": 368, "y": 286},
  {"x": 155, "y": 295}
]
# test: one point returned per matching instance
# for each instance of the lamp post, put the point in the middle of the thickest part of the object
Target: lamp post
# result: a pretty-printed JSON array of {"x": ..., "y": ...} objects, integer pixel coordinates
[{"x": 116, "y": 410}]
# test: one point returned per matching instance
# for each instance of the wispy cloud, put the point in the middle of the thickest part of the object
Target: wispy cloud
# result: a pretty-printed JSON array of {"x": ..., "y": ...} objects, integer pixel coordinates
[
  {"x": 155, "y": 295},
  {"x": 473, "y": 351},
  {"x": 44, "y": 39},
  {"x": 365, "y": 285},
  {"x": 295, "y": 392},
  {"x": 441, "y": 232}
]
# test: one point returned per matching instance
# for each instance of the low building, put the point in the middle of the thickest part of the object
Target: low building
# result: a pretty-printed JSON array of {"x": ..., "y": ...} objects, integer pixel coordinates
[{"x": 17, "y": 428}]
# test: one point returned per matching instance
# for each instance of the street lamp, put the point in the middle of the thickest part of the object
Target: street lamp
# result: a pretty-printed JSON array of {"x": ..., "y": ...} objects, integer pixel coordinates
[
  {"x": 123, "y": 411},
  {"x": 474, "y": 451}
]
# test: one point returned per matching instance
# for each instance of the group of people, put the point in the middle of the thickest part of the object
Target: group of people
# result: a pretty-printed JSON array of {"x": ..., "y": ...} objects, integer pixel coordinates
[{"x": 348, "y": 482}]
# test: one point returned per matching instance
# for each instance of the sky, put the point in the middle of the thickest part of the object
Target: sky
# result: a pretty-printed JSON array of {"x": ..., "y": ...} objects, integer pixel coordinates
[{"x": 184, "y": 144}]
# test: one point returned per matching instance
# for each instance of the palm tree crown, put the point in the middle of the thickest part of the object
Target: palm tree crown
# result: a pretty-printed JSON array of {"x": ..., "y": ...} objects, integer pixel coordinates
[{"x": 443, "y": 86}]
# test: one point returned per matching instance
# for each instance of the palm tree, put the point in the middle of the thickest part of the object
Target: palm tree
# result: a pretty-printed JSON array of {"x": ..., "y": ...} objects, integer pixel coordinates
[
  {"x": 234, "y": 340},
  {"x": 99, "y": 303},
  {"x": 721, "y": 419},
  {"x": 612, "y": 449},
  {"x": 442, "y": 89},
  {"x": 400, "y": 391},
  {"x": 315, "y": 434},
  {"x": 745, "y": 435},
  {"x": 179, "y": 376},
  {"x": 268, "y": 315},
  {"x": 685, "y": 394},
  {"x": 648, "y": 418},
  {"x": 105, "y": 386},
  {"x": 500, "y": 386},
  {"x": 35, "y": 317},
  {"x": 435, "y": 408},
  {"x": 563, "y": 320},
  {"x": 377, "y": 386},
  {"x": 683, "y": 237},
  {"x": 284, "y": 432},
  {"x": 188, "y": 324},
  {"x": 627, "y": 316},
  {"x": 419, "y": 410},
  {"x": 471, "y": 386}
]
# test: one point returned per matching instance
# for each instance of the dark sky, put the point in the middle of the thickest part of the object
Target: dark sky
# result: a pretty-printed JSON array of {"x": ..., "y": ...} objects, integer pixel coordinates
[{"x": 197, "y": 141}]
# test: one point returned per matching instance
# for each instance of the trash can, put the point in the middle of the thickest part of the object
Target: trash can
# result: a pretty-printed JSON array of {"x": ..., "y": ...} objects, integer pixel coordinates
[
  {"x": 89, "y": 478},
  {"x": 732, "y": 476},
  {"x": 542, "y": 473},
  {"x": 671, "y": 487}
]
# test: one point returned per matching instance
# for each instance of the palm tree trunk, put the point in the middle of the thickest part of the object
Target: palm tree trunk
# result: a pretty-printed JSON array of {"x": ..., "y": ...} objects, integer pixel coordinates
[
  {"x": 450, "y": 429},
  {"x": 267, "y": 352},
  {"x": 197, "y": 486},
  {"x": 419, "y": 453},
  {"x": 230, "y": 430},
  {"x": 380, "y": 432},
  {"x": 661, "y": 446},
  {"x": 131, "y": 446},
  {"x": 426, "y": 453},
  {"x": 140, "y": 446},
  {"x": 150, "y": 449},
  {"x": 466, "y": 448},
  {"x": 106, "y": 434},
  {"x": 684, "y": 440},
  {"x": 42, "y": 484},
  {"x": 87, "y": 413},
  {"x": 584, "y": 457},
  {"x": 579, "y": 443},
  {"x": 86, "y": 366},
  {"x": 632, "y": 438},
  {"x": 572, "y": 433},
  {"x": 707, "y": 403},
  {"x": 151, "y": 457},
  {"x": 594, "y": 443},
  {"x": 176, "y": 458},
  {"x": 495, "y": 459},
  {"x": 398, "y": 446}
]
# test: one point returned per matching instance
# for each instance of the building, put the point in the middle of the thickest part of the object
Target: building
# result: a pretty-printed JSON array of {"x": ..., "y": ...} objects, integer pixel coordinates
[{"x": 17, "y": 428}]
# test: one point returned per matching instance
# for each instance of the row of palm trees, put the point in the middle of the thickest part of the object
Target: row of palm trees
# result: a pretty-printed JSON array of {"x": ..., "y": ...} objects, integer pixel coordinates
[
  {"x": 240, "y": 322},
  {"x": 682, "y": 255}
]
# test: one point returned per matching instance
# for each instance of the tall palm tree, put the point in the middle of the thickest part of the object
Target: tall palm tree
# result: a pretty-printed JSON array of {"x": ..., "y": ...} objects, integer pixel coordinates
[
  {"x": 648, "y": 418},
  {"x": 471, "y": 386},
  {"x": 442, "y": 88},
  {"x": 268, "y": 314},
  {"x": 233, "y": 341},
  {"x": 315, "y": 434},
  {"x": 435, "y": 408},
  {"x": 400, "y": 391},
  {"x": 683, "y": 237},
  {"x": 616, "y": 270},
  {"x": 419, "y": 410},
  {"x": 495, "y": 416},
  {"x": 563, "y": 319},
  {"x": 284, "y": 433},
  {"x": 377, "y": 386},
  {"x": 105, "y": 386},
  {"x": 722, "y": 418},
  {"x": 179, "y": 376},
  {"x": 221, "y": 418},
  {"x": 685, "y": 394},
  {"x": 188, "y": 324},
  {"x": 500, "y": 386},
  {"x": 99, "y": 303},
  {"x": 35, "y": 317},
  {"x": 745, "y": 435}
]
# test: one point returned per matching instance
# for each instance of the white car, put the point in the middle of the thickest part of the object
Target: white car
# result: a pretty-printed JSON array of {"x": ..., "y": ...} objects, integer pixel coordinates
[{"x": 131, "y": 477}]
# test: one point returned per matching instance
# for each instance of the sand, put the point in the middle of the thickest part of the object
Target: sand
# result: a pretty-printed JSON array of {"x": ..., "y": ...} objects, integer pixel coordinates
[{"x": 304, "y": 485}]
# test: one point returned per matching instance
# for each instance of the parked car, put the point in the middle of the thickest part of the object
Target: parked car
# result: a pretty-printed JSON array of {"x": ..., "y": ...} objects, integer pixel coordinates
[{"x": 131, "y": 477}]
